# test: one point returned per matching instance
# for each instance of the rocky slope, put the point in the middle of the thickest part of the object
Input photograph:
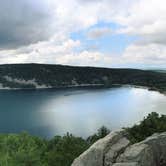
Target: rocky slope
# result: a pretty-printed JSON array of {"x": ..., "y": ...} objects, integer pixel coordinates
[
  {"x": 116, "y": 150},
  {"x": 32, "y": 76}
]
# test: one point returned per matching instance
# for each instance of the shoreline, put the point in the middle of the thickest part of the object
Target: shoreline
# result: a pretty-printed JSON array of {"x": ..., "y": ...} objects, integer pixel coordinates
[{"x": 86, "y": 86}]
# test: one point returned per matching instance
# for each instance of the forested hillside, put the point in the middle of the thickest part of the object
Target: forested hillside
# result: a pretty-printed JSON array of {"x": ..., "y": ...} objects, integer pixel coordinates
[{"x": 57, "y": 76}]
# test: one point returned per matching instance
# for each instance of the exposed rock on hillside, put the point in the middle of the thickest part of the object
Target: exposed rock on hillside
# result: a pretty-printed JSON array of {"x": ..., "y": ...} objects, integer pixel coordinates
[
  {"x": 33, "y": 76},
  {"x": 116, "y": 150}
]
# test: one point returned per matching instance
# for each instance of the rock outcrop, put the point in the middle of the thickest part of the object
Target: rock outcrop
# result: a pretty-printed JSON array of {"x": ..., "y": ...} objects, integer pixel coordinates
[{"x": 116, "y": 150}]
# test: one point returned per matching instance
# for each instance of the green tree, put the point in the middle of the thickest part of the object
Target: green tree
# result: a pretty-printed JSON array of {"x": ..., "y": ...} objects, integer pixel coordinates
[
  {"x": 63, "y": 150},
  {"x": 102, "y": 132},
  {"x": 153, "y": 123}
]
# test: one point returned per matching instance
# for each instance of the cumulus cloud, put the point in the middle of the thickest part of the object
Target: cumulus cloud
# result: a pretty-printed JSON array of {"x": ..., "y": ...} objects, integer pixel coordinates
[
  {"x": 146, "y": 18},
  {"x": 39, "y": 31},
  {"x": 52, "y": 52},
  {"x": 24, "y": 22},
  {"x": 41, "y": 52},
  {"x": 86, "y": 58},
  {"x": 27, "y": 28},
  {"x": 145, "y": 54}
]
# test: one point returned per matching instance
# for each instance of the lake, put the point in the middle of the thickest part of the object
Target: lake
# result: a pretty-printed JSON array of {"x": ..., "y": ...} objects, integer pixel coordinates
[{"x": 48, "y": 113}]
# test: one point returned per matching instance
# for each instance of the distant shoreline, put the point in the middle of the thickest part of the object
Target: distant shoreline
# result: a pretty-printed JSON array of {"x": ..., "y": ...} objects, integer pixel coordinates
[
  {"x": 40, "y": 77},
  {"x": 84, "y": 87}
]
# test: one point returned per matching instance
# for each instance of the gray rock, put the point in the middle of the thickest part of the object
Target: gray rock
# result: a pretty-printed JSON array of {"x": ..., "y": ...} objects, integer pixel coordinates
[
  {"x": 139, "y": 153},
  {"x": 150, "y": 152},
  {"x": 115, "y": 150},
  {"x": 95, "y": 155}
]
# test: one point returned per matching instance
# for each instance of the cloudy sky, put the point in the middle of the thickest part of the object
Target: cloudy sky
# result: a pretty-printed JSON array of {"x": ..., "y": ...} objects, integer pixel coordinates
[{"x": 109, "y": 33}]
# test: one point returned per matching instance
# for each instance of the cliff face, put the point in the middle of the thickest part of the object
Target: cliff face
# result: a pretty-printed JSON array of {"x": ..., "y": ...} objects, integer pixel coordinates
[{"x": 116, "y": 150}]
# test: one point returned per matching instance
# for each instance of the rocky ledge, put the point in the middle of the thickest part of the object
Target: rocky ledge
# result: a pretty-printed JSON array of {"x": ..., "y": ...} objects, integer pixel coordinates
[{"x": 116, "y": 150}]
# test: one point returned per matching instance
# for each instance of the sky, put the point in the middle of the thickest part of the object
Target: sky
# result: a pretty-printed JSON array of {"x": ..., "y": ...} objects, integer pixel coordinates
[{"x": 103, "y": 33}]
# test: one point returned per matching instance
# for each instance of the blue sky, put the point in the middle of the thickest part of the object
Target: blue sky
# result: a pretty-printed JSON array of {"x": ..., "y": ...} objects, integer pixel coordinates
[
  {"x": 112, "y": 43},
  {"x": 103, "y": 33}
]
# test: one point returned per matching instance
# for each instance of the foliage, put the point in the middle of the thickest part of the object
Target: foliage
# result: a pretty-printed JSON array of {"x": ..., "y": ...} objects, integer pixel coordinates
[
  {"x": 22, "y": 150},
  {"x": 153, "y": 123},
  {"x": 102, "y": 132},
  {"x": 58, "y": 76},
  {"x": 61, "y": 151},
  {"x": 25, "y": 150}
]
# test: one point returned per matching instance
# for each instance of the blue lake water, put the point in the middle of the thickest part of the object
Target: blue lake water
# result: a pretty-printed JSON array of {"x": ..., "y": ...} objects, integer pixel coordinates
[{"x": 81, "y": 112}]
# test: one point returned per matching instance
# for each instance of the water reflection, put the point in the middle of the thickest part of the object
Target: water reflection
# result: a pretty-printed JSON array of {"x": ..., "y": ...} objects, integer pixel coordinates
[{"x": 81, "y": 112}]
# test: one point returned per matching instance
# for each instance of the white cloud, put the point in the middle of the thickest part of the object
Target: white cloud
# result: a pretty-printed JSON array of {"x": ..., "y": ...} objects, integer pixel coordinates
[
  {"x": 146, "y": 18},
  {"x": 35, "y": 25},
  {"x": 145, "y": 54},
  {"x": 24, "y": 22},
  {"x": 86, "y": 58},
  {"x": 41, "y": 52},
  {"x": 66, "y": 17},
  {"x": 55, "y": 51}
]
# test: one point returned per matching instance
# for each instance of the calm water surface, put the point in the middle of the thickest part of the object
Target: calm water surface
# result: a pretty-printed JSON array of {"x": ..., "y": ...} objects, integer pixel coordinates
[{"x": 81, "y": 112}]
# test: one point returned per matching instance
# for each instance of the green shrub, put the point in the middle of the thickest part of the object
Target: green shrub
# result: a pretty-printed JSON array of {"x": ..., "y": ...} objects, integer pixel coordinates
[{"x": 153, "y": 123}]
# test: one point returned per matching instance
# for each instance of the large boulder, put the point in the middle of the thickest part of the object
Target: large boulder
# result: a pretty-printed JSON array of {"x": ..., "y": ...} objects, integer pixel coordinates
[
  {"x": 115, "y": 150},
  {"x": 150, "y": 152},
  {"x": 104, "y": 151},
  {"x": 138, "y": 153}
]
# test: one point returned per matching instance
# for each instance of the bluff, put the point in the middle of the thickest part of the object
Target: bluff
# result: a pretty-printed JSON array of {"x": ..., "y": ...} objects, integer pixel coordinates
[
  {"x": 117, "y": 150},
  {"x": 32, "y": 76}
]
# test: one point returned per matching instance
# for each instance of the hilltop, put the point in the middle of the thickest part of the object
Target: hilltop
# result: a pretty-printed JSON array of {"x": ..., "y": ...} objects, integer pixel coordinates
[{"x": 32, "y": 76}]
